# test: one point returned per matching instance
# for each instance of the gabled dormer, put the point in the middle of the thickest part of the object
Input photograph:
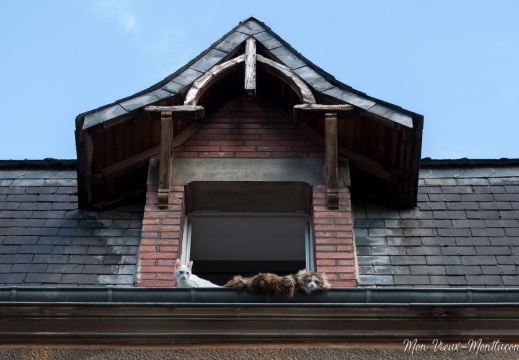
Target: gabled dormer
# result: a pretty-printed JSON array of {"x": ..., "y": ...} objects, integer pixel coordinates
[{"x": 380, "y": 141}]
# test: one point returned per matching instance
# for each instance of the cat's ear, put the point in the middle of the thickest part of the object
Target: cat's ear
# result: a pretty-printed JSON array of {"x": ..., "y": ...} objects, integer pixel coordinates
[
  {"x": 178, "y": 263},
  {"x": 190, "y": 265}
]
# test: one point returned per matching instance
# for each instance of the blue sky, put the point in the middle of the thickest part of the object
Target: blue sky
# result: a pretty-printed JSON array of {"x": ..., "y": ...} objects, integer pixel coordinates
[{"x": 455, "y": 62}]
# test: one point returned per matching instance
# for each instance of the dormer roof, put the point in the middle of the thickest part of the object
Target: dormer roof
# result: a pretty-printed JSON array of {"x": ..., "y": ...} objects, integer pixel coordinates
[{"x": 381, "y": 140}]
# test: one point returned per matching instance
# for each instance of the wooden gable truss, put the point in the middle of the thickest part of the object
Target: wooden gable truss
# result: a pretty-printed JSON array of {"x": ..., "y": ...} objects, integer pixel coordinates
[{"x": 382, "y": 142}]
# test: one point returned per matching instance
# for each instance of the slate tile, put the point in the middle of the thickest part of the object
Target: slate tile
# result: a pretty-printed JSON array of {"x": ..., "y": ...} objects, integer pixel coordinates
[
  {"x": 484, "y": 280},
  {"x": 8, "y": 206},
  {"x": 85, "y": 259},
  {"x": 510, "y": 280},
  {"x": 488, "y": 232},
  {"x": 385, "y": 250},
  {"x": 363, "y": 250},
  {"x": 65, "y": 268},
  {"x": 462, "y": 206},
  {"x": 400, "y": 270},
  {"x": 401, "y": 241},
  {"x": 374, "y": 260},
  {"x": 49, "y": 259},
  {"x": 64, "y": 206},
  {"x": 454, "y": 232},
  {"x": 371, "y": 280},
  {"x": 9, "y": 249},
  {"x": 470, "y": 241},
  {"x": 20, "y": 240},
  {"x": 450, "y": 214},
  {"x": 427, "y": 270},
  {"x": 61, "y": 223},
  {"x": 512, "y": 231},
  {"x": 79, "y": 279},
  {"x": 479, "y": 260},
  {"x": 127, "y": 270},
  {"x": 473, "y": 181},
  {"x": 463, "y": 270},
  {"x": 419, "y": 232},
  {"x": 29, "y": 268},
  {"x": 99, "y": 269},
  {"x": 499, "y": 270},
  {"x": 458, "y": 250},
  {"x": 35, "y": 249},
  {"x": 377, "y": 232},
  {"x": 115, "y": 280},
  {"x": 411, "y": 280},
  {"x": 408, "y": 260},
  {"x": 12, "y": 278},
  {"x": 457, "y": 280},
  {"x": 432, "y": 206},
  {"x": 44, "y": 278},
  {"x": 439, "y": 280},
  {"x": 495, "y": 205},
  {"x": 366, "y": 270},
  {"x": 480, "y": 214},
  {"x": 233, "y": 40},
  {"x": 435, "y": 260},
  {"x": 493, "y": 189},
  {"x": 426, "y": 251},
  {"x": 440, "y": 182},
  {"x": 507, "y": 260}
]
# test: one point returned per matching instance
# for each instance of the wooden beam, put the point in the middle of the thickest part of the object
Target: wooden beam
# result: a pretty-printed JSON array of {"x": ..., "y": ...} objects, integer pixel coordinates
[
  {"x": 288, "y": 76},
  {"x": 318, "y": 111},
  {"x": 134, "y": 162},
  {"x": 331, "y": 161},
  {"x": 166, "y": 158},
  {"x": 250, "y": 67},
  {"x": 180, "y": 111},
  {"x": 213, "y": 74}
]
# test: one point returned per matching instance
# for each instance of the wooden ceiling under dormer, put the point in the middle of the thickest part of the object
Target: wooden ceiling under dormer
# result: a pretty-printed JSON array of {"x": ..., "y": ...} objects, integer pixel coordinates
[{"x": 381, "y": 141}]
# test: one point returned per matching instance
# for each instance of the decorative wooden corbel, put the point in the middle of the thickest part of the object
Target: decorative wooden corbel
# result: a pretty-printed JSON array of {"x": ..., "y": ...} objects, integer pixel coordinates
[
  {"x": 166, "y": 157},
  {"x": 331, "y": 161},
  {"x": 331, "y": 114},
  {"x": 167, "y": 114}
]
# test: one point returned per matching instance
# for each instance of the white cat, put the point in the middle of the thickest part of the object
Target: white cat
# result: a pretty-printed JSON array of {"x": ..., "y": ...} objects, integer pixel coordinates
[{"x": 186, "y": 279}]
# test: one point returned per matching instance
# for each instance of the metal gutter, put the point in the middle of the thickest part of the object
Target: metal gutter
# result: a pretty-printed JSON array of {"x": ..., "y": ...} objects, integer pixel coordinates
[
  {"x": 227, "y": 296},
  {"x": 154, "y": 316}
]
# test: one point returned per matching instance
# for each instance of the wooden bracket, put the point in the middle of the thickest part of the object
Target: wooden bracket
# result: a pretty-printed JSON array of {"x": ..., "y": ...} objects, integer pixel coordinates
[
  {"x": 331, "y": 161},
  {"x": 166, "y": 158},
  {"x": 167, "y": 114},
  {"x": 331, "y": 114},
  {"x": 250, "y": 67}
]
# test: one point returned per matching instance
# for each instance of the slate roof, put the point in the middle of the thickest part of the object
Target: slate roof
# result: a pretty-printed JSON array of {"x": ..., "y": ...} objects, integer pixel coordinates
[
  {"x": 315, "y": 77},
  {"x": 464, "y": 231},
  {"x": 46, "y": 240}
]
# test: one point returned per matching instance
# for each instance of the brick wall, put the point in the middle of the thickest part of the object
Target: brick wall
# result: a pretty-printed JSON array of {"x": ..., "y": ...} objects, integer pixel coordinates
[
  {"x": 249, "y": 128},
  {"x": 333, "y": 238},
  {"x": 161, "y": 239},
  {"x": 245, "y": 128}
]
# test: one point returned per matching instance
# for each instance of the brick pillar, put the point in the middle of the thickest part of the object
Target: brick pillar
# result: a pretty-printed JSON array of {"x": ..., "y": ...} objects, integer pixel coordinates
[
  {"x": 161, "y": 239},
  {"x": 333, "y": 238}
]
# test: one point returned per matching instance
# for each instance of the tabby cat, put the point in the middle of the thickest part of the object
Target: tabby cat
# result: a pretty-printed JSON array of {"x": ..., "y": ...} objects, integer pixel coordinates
[{"x": 288, "y": 285}]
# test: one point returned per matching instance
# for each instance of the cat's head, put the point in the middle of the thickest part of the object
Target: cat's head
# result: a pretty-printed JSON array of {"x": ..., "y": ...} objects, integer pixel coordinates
[
  {"x": 182, "y": 272},
  {"x": 309, "y": 281}
]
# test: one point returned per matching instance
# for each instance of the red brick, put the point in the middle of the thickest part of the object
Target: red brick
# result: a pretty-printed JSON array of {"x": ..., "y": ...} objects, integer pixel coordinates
[
  {"x": 185, "y": 155},
  {"x": 333, "y": 255},
  {"x": 253, "y": 154},
  {"x": 352, "y": 283},
  {"x": 226, "y": 142},
  {"x": 285, "y": 154},
  {"x": 220, "y": 154},
  {"x": 203, "y": 148},
  {"x": 157, "y": 283},
  {"x": 238, "y": 148}
]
